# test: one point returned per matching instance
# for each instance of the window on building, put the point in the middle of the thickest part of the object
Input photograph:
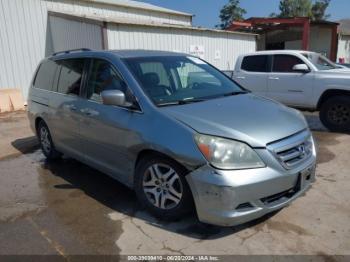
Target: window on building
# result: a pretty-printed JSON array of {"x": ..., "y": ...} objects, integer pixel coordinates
[
  {"x": 285, "y": 63},
  {"x": 71, "y": 76},
  {"x": 257, "y": 63}
]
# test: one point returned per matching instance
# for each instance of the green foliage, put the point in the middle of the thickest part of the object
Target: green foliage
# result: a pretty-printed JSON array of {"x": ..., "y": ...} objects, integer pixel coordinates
[
  {"x": 303, "y": 8},
  {"x": 319, "y": 10},
  {"x": 231, "y": 12},
  {"x": 294, "y": 8}
]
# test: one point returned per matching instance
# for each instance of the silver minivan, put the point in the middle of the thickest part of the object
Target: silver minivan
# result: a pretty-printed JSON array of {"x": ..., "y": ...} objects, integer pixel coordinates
[{"x": 178, "y": 131}]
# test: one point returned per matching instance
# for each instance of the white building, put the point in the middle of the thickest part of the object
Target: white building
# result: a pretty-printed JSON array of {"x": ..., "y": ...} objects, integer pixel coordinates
[
  {"x": 344, "y": 41},
  {"x": 33, "y": 29}
]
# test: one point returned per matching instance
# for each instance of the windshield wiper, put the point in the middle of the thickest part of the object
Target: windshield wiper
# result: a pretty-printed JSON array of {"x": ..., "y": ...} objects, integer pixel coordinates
[
  {"x": 235, "y": 93},
  {"x": 181, "y": 102}
]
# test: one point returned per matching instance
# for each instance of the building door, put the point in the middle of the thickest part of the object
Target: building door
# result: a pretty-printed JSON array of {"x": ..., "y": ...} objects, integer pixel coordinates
[{"x": 66, "y": 34}]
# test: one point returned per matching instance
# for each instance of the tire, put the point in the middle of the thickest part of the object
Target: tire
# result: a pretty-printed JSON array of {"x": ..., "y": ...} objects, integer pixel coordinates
[
  {"x": 150, "y": 171},
  {"x": 46, "y": 143},
  {"x": 335, "y": 113}
]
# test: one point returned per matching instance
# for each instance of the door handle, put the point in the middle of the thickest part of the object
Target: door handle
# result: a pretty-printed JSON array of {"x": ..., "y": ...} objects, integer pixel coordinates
[
  {"x": 240, "y": 77},
  {"x": 274, "y": 78}
]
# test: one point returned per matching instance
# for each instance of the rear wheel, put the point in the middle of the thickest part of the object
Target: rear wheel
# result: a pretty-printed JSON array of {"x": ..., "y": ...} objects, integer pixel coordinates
[
  {"x": 335, "y": 113},
  {"x": 161, "y": 187},
  {"x": 46, "y": 143}
]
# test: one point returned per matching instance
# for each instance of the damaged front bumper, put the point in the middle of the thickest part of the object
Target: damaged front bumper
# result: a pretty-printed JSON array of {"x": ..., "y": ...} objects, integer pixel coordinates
[{"x": 232, "y": 197}]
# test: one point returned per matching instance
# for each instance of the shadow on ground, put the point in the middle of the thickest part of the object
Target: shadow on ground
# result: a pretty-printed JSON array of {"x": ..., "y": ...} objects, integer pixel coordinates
[
  {"x": 26, "y": 145},
  {"x": 121, "y": 199}
]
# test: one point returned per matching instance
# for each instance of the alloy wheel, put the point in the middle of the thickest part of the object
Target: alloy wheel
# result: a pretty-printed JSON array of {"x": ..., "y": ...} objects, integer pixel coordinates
[
  {"x": 45, "y": 139},
  {"x": 162, "y": 186}
]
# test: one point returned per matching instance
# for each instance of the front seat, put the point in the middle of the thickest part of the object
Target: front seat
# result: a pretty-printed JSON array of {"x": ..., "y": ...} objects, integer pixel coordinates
[{"x": 151, "y": 84}]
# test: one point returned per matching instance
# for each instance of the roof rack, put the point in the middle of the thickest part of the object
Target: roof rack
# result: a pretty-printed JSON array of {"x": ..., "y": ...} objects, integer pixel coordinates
[{"x": 72, "y": 50}]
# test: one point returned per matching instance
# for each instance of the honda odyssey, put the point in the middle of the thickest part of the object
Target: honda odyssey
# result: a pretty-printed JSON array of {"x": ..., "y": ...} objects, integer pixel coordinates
[{"x": 175, "y": 129}]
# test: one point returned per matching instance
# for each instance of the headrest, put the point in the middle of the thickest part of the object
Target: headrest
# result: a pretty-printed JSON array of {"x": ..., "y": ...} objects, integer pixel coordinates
[{"x": 150, "y": 79}]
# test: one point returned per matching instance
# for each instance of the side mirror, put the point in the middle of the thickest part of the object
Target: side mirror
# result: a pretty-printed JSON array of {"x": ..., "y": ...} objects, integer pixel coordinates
[
  {"x": 303, "y": 68},
  {"x": 113, "y": 97}
]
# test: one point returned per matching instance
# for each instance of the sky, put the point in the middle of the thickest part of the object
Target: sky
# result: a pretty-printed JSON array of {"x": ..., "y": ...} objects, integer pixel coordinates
[{"x": 207, "y": 11}]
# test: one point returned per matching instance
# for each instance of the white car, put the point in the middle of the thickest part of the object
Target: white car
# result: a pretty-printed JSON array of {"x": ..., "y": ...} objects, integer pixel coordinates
[{"x": 300, "y": 79}]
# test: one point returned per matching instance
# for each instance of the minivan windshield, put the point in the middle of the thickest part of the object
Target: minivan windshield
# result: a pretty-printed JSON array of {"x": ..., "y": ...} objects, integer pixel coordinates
[
  {"x": 169, "y": 80},
  {"x": 320, "y": 61}
]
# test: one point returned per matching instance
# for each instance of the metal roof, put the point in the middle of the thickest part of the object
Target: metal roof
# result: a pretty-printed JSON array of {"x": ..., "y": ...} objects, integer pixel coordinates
[
  {"x": 95, "y": 18},
  {"x": 139, "y": 5}
]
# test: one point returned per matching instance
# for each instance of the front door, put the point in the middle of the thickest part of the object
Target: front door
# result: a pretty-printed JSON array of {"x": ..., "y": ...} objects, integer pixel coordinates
[
  {"x": 105, "y": 128},
  {"x": 288, "y": 86}
]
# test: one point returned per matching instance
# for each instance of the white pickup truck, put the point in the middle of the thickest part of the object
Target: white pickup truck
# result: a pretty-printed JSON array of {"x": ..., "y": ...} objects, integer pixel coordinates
[{"x": 300, "y": 79}]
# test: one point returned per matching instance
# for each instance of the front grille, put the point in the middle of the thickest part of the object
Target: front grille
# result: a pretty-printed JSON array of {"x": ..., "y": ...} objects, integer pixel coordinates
[{"x": 292, "y": 151}]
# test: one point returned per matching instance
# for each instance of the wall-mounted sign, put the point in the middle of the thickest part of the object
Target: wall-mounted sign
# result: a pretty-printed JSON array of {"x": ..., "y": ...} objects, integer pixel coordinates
[{"x": 197, "y": 50}]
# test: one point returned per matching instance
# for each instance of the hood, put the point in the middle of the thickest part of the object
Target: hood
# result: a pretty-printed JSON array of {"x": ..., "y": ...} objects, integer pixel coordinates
[{"x": 249, "y": 118}]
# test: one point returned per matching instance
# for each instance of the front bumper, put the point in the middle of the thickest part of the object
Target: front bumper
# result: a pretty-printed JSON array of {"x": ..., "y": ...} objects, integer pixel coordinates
[{"x": 232, "y": 197}]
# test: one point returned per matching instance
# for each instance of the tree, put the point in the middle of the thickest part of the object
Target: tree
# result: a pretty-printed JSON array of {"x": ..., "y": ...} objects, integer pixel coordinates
[
  {"x": 231, "y": 12},
  {"x": 294, "y": 8},
  {"x": 303, "y": 8},
  {"x": 319, "y": 10}
]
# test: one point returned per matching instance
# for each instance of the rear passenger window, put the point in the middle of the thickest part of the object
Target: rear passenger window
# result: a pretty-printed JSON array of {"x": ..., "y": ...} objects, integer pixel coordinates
[
  {"x": 285, "y": 63},
  {"x": 257, "y": 63},
  {"x": 70, "y": 76},
  {"x": 45, "y": 76}
]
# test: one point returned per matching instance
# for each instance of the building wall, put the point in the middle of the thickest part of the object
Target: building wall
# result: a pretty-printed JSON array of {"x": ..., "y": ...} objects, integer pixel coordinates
[
  {"x": 25, "y": 37},
  {"x": 321, "y": 40},
  {"x": 293, "y": 45},
  {"x": 220, "y": 49},
  {"x": 344, "y": 48}
]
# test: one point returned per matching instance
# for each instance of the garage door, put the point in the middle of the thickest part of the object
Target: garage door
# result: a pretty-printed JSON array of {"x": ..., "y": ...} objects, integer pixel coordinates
[{"x": 65, "y": 34}]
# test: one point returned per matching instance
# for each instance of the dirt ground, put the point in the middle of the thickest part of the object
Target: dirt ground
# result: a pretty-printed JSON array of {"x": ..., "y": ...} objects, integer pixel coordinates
[{"x": 66, "y": 208}]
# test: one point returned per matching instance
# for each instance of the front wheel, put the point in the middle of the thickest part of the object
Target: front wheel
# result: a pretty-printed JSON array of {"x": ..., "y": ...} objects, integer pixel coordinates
[
  {"x": 161, "y": 187},
  {"x": 335, "y": 113}
]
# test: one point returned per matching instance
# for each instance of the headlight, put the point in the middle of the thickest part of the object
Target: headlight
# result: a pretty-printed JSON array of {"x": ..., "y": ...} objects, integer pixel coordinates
[{"x": 227, "y": 154}]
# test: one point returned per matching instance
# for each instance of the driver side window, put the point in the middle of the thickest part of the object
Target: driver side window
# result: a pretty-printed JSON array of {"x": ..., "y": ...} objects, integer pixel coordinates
[
  {"x": 285, "y": 63},
  {"x": 103, "y": 77}
]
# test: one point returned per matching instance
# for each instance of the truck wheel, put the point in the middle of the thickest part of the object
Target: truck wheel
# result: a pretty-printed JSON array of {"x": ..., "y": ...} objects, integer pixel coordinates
[
  {"x": 161, "y": 187},
  {"x": 335, "y": 113},
  {"x": 46, "y": 143}
]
